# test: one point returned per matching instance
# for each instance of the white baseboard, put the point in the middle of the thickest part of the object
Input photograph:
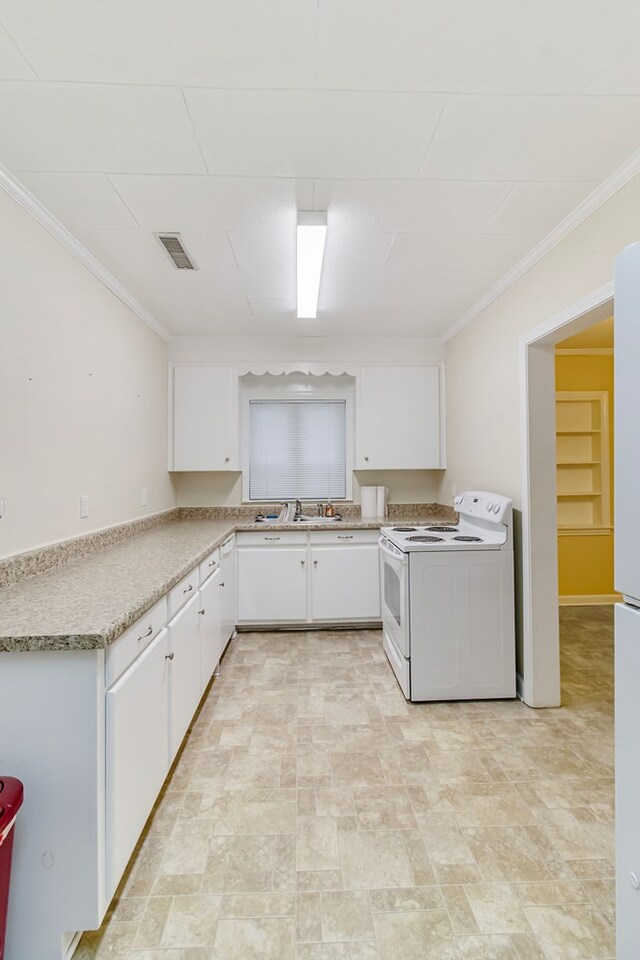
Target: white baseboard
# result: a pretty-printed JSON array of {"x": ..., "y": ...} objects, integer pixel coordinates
[
  {"x": 589, "y": 599},
  {"x": 71, "y": 945}
]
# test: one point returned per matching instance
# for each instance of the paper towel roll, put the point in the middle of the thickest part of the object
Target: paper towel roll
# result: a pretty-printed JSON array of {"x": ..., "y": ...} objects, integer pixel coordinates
[
  {"x": 381, "y": 501},
  {"x": 369, "y": 502}
]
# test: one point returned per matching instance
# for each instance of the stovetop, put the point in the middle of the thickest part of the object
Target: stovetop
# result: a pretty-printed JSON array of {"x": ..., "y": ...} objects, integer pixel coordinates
[
  {"x": 484, "y": 524},
  {"x": 462, "y": 536}
]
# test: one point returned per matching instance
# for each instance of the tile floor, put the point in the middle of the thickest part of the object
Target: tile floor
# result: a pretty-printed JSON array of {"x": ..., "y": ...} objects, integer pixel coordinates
[{"x": 315, "y": 815}]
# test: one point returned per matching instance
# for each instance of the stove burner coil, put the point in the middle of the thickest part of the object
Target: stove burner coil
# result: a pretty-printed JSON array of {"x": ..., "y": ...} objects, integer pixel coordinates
[
  {"x": 422, "y": 539},
  {"x": 405, "y": 529},
  {"x": 442, "y": 529},
  {"x": 469, "y": 539}
]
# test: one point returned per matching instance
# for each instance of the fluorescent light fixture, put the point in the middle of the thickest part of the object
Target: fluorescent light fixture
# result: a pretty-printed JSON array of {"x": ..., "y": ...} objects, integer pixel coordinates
[{"x": 312, "y": 233}]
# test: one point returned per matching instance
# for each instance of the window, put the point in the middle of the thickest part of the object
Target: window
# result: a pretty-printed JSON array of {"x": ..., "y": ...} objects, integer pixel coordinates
[{"x": 297, "y": 449}]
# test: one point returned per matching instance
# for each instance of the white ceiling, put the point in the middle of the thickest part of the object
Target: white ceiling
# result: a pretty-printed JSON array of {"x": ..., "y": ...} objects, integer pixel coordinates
[{"x": 444, "y": 139}]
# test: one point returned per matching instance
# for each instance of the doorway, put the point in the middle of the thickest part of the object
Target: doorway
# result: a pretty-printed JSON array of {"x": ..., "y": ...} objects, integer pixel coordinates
[{"x": 539, "y": 655}]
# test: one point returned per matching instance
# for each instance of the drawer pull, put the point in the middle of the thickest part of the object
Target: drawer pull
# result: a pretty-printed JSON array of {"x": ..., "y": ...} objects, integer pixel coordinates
[
  {"x": 221, "y": 584},
  {"x": 343, "y": 536},
  {"x": 201, "y": 611},
  {"x": 272, "y": 538},
  {"x": 213, "y": 563},
  {"x": 145, "y": 635},
  {"x": 188, "y": 590},
  {"x": 169, "y": 656}
]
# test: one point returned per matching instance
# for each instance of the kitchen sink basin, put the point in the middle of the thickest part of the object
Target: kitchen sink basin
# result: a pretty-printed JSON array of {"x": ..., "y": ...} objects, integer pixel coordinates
[{"x": 302, "y": 519}]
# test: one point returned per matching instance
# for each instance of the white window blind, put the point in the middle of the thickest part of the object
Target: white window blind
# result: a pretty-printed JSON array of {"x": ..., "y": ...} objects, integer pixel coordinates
[{"x": 297, "y": 449}]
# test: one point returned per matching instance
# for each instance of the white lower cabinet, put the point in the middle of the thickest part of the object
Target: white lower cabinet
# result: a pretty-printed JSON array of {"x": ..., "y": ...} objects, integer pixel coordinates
[
  {"x": 210, "y": 626},
  {"x": 345, "y": 582},
  {"x": 137, "y": 754},
  {"x": 184, "y": 673},
  {"x": 307, "y": 577},
  {"x": 272, "y": 583}
]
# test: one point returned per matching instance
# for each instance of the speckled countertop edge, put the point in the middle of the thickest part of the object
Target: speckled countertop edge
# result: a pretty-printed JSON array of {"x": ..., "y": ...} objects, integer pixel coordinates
[{"x": 86, "y": 603}]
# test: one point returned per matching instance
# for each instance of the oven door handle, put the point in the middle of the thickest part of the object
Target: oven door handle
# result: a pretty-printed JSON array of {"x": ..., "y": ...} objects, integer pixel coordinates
[{"x": 394, "y": 556}]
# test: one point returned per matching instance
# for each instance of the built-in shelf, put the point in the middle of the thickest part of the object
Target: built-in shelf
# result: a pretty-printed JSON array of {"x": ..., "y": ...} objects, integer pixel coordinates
[{"x": 582, "y": 459}]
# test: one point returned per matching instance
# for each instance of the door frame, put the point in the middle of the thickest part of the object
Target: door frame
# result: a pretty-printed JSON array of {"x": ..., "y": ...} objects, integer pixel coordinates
[{"x": 539, "y": 683}]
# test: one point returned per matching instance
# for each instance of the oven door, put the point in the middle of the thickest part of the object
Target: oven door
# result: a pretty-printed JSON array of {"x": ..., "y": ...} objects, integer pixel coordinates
[{"x": 395, "y": 594}]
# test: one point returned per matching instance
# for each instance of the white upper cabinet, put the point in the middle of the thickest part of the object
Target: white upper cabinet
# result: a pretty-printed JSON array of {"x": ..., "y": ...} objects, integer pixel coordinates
[
  {"x": 399, "y": 422},
  {"x": 203, "y": 415}
]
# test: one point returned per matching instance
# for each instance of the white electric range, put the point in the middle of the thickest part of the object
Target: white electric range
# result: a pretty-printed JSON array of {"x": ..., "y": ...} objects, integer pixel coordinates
[{"x": 447, "y": 603}]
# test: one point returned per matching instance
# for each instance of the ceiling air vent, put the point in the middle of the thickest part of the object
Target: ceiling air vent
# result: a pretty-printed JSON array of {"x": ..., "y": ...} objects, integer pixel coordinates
[{"x": 172, "y": 243}]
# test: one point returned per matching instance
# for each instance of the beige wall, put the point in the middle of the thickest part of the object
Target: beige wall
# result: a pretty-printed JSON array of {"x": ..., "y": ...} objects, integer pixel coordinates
[
  {"x": 483, "y": 387},
  {"x": 83, "y": 395}
]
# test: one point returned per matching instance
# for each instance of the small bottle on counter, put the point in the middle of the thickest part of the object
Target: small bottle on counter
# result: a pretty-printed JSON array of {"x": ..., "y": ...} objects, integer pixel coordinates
[{"x": 328, "y": 510}]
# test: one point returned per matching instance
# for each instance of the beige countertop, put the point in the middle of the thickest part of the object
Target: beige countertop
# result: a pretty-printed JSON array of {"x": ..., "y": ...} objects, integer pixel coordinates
[{"x": 86, "y": 603}]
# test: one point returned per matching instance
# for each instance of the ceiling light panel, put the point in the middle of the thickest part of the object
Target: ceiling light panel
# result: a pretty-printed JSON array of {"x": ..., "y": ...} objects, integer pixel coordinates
[{"x": 311, "y": 237}]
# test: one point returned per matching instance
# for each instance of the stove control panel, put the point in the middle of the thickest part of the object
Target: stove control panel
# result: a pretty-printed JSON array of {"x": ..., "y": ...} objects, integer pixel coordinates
[{"x": 486, "y": 506}]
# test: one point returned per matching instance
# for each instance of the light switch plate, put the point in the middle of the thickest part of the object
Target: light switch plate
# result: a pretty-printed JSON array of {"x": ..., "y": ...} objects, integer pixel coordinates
[
  {"x": 84, "y": 507},
  {"x": 145, "y": 498}
]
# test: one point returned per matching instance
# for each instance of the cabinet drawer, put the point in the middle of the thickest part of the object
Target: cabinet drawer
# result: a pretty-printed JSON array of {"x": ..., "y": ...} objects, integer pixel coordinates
[
  {"x": 343, "y": 536},
  {"x": 183, "y": 591},
  {"x": 209, "y": 565},
  {"x": 272, "y": 538},
  {"x": 134, "y": 640}
]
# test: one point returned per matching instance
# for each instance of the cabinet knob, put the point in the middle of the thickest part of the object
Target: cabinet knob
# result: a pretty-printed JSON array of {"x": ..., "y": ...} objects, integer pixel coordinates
[
  {"x": 201, "y": 611},
  {"x": 169, "y": 656},
  {"x": 221, "y": 584},
  {"x": 315, "y": 563},
  {"x": 226, "y": 459},
  {"x": 366, "y": 459},
  {"x": 302, "y": 562}
]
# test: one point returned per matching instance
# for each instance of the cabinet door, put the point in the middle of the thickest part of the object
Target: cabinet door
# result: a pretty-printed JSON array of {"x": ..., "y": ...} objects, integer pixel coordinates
[
  {"x": 184, "y": 675},
  {"x": 137, "y": 752},
  {"x": 272, "y": 584},
  {"x": 210, "y": 625},
  {"x": 345, "y": 582},
  {"x": 228, "y": 590},
  {"x": 398, "y": 418},
  {"x": 204, "y": 423}
]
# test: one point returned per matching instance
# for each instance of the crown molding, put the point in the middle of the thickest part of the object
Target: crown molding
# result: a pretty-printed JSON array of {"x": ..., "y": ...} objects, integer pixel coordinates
[
  {"x": 45, "y": 218},
  {"x": 618, "y": 179}
]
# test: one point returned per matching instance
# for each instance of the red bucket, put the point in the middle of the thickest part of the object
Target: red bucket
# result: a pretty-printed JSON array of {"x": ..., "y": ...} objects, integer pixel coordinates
[{"x": 10, "y": 802}]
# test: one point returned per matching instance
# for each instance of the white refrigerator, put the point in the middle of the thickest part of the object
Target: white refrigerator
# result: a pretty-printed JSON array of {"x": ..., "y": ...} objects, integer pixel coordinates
[{"x": 627, "y": 614}]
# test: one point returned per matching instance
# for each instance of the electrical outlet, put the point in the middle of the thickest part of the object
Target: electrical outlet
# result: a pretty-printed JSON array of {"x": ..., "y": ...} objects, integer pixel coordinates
[
  {"x": 145, "y": 498},
  {"x": 453, "y": 489},
  {"x": 84, "y": 507}
]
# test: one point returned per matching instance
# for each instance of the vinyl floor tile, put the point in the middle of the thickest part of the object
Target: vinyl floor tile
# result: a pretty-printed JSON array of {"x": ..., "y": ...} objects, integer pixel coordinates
[{"x": 313, "y": 814}]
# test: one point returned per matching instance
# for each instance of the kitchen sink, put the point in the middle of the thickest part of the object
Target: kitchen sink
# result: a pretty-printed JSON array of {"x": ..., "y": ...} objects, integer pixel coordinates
[{"x": 302, "y": 519}]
